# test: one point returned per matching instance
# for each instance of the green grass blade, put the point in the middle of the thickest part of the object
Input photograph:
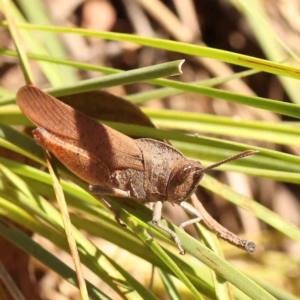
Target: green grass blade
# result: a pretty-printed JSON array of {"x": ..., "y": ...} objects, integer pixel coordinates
[
  {"x": 146, "y": 238},
  {"x": 169, "y": 285},
  {"x": 17, "y": 41},
  {"x": 140, "y": 211},
  {"x": 257, "y": 130},
  {"x": 36, "y": 12},
  {"x": 35, "y": 250},
  {"x": 274, "y": 48},
  {"x": 128, "y": 77},
  {"x": 288, "y": 109},
  {"x": 268, "y": 163},
  {"x": 51, "y": 72},
  {"x": 223, "y": 289},
  {"x": 52, "y": 217},
  {"x": 258, "y": 102},
  {"x": 252, "y": 206},
  {"x": 199, "y": 251},
  {"x": 226, "y": 56}
]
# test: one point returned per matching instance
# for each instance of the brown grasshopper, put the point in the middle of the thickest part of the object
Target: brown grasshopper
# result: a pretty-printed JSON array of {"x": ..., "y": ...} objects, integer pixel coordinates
[{"x": 114, "y": 164}]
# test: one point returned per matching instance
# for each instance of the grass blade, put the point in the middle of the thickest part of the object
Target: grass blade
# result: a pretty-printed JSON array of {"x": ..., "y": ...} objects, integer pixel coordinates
[
  {"x": 68, "y": 226},
  {"x": 169, "y": 285},
  {"x": 17, "y": 41},
  {"x": 35, "y": 250},
  {"x": 226, "y": 56}
]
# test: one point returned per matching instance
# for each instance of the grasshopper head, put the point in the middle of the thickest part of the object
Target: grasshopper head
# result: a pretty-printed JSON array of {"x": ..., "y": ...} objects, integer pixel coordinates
[{"x": 183, "y": 180}]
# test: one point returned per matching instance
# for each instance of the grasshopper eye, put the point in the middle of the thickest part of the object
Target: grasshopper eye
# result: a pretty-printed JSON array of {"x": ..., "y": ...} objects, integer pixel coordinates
[{"x": 183, "y": 173}]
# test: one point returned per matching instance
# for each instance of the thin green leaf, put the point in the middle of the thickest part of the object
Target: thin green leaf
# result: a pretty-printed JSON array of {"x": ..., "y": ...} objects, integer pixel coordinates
[
  {"x": 17, "y": 41},
  {"x": 127, "y": 77},
  {"x": 222, "y": 287},
  {"x": 146, "y": 238},
  {"x": 252, "y": 206},
  {"x": 142, "y": 212},
  {"x": 35, "y": 250},
  {"x": 36, "y": 205},
  {"x": 169, "y": 285},
  {"x": 272, "y": 45},
  {"x": 36, "y": 12},
  {"x": 52, "y": 73},
  {"x": 257, "y": 130},
  {"x": 196, "y": 249},
  {"x": 226, "y": 56}
]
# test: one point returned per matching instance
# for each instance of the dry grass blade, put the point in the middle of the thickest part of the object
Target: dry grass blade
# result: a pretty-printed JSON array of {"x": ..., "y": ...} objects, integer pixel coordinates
[{"x": 68, "y": 226}]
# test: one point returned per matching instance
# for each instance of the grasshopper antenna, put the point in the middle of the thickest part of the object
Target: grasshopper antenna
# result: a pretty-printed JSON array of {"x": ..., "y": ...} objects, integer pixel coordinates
[{"x": 234, "y": 157}]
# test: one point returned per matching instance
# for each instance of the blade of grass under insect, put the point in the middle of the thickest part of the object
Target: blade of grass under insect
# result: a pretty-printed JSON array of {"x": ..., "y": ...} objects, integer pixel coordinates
[
  {"x": 207, "y": 182},
  {"x": 130, "y": 243},
  {"x": 146, "y": 238},
  {"x": 10, "y": 285},
  {"x": 97, "y": 231},
  {"x": 98, "y": 266},
  {"x": 147, "y": 297},
  {"x": 272, "y": 45},
  {"x": 116, "y": 235},
  {"x": 223, "y": 289},
  {"x": 53, "y": 218},
  {"x": 21, "y": 240},
  {"x": 199, "y": 251},
  {"x": 252, "y": 206},
  {"x": 17, "y": 41},
  {"x": 60, "y": 241},
  {"x": 169, "y": 285},
  {"x": 36, "y": 12},
  {"x": 190, "y": 49},
  {"x": 192, "y": 274}
]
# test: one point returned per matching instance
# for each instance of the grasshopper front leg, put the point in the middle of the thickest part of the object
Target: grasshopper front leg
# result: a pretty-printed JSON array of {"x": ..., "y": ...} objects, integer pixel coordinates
[{"x": 156, "y": 220}]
